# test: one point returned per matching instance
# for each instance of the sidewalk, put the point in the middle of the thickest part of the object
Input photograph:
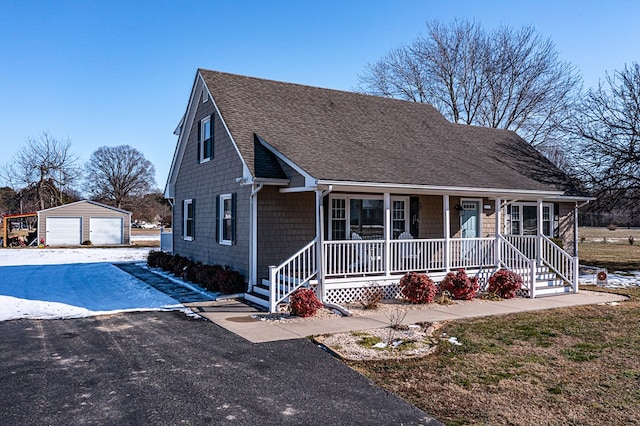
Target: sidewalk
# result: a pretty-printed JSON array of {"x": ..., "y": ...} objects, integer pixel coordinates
[{"x": 235, "y": 316}]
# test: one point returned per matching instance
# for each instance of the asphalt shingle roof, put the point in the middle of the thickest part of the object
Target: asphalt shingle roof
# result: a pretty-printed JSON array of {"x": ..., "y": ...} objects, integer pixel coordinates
[{"x": 344, "y": 136}]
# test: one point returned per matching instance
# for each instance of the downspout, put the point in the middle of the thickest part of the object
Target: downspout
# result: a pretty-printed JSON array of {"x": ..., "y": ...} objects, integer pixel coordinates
[
  {"x": 253, "y": 231},
  {"x": 320, "y": 240}
]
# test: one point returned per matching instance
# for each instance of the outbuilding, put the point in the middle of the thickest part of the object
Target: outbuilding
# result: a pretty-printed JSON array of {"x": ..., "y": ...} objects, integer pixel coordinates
[{"x": 84, "y": 221}]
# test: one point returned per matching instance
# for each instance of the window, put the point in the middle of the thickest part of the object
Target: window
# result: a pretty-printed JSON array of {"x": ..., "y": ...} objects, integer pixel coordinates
[
  {"x": 398, "y": 218},
  {"x": 338, "y": 219},
  {"x": 524, "y": 219},
  {"x": 365, "y": 217},
  {"x": 188, "y": 220},
  {"x": 226, "y": 229},
  {"x": 205, "y": 139}
]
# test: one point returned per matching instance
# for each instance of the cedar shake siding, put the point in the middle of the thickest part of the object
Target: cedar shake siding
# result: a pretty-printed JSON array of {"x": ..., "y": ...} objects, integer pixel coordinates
[
  {"x": 286, "y": 222},
  {"x": 203, "y": 183},
  {"x": 565, "y": 225}
]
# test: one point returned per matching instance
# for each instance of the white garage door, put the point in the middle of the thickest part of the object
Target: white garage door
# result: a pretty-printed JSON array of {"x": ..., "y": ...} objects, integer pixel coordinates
[
  {"x": 64, "y": 231},
  {"x": 105, "y": 230}
]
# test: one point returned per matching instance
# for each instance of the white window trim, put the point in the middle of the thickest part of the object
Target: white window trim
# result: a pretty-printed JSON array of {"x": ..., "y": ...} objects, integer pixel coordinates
[
  {"x": 531, "y": 204},
  {"x": 349, "y": 197},
  {"x": 185, "y": 210},
  {"x": 202, "y": 138},
  {"x": 222, "y": 241}
]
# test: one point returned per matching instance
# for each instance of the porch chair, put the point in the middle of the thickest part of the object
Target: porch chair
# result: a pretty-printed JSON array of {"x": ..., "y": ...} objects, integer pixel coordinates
[
  {"x": 363, "y": 258},
  {"x": 407, "y": 252}
]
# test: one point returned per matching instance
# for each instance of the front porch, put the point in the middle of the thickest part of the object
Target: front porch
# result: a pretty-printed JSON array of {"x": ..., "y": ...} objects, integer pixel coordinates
[{"x": 341, "y": 269}]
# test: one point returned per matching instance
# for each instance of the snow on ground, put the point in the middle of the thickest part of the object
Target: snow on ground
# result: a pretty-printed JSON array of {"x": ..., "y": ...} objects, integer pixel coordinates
[
  {"x": 71, "y": 283},
  {"x": 615, "y": 279}
]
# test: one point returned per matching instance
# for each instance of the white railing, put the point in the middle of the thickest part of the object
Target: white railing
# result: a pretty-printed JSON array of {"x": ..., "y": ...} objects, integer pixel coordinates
[
  {"x": 353, "y": 257},
  {"x": 417, "y": 255},
  {"x": 471, "y": 252},
  {"x": 512, "y": 258},
  {"x": 559, "y": 261},
  {"x": 526, "y": 244},
  {"x": 292, "y": 274}
]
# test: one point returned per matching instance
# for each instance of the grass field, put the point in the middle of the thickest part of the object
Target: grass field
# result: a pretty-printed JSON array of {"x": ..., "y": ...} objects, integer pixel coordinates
[{"x": 572, "y": 366}]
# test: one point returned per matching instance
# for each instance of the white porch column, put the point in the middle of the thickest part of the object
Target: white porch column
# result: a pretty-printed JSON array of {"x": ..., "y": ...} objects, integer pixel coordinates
[
  {"x": 253, "y": 236},
  {"x": 319, "y": 243},
  {"x": 539, "y": 242},
  {"x": 387, "y": 233},
  {"x": 447, "y": 232},
  {"x": 498, "y": 254}
]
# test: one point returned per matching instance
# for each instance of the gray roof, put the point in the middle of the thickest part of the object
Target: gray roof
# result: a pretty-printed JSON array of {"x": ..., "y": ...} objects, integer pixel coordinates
[{"x": 344, "y": 136}]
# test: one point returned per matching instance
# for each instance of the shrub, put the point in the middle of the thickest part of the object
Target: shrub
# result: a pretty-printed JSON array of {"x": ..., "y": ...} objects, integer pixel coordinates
[
  {"x": 612, "y": 226},
  {"x": 229, "y": 281},
  {"x": 460, "y": 286},
  {"x": 505, "y": 284},
  {"x": 371, "y": 296},
  {"x": 304, "y": 303},
  {"x": 417, "y": 288},
  {"x": 214, "y": 278},
  {"x": 87, "y": 243}
]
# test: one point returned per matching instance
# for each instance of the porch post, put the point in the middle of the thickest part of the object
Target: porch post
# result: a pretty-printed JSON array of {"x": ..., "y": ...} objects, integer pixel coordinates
[
  {"x": 539, "y": 236},
  {"x": 498, "y": 233},
  {"x": 447, "y": 233},
  {"x": 319, "y": 245},
  {"x": 387, "y": 233}
]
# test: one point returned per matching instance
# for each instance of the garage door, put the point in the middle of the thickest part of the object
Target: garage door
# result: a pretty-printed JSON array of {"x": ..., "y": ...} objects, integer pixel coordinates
[
  {"x": 105, "y": 230},
  {"x": 64, "y": 231}
]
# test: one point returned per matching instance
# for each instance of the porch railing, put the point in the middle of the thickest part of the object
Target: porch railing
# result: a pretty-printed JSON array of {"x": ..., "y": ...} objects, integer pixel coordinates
[
  {"x": 526, "y": 244},
  {"x": 292, "y": 274},
  {"x": 417, "y": 255},
  {"x": 511, "y": 257},
  {"x": 559, "y": 261},
  {"x": 353, "y": 257},
  {"x": 366, "y": 257}
]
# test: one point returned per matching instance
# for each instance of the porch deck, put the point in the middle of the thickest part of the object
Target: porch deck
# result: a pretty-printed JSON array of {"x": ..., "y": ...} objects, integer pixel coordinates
[{"x": 347, "y": 267}]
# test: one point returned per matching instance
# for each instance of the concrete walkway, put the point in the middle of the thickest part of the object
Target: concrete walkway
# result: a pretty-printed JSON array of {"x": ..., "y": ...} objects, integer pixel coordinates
[{"x": 236, "y": 316}]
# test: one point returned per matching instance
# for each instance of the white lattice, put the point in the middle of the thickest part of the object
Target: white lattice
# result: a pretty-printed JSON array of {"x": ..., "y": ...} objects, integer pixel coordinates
[{"x": 354, "y": 294}]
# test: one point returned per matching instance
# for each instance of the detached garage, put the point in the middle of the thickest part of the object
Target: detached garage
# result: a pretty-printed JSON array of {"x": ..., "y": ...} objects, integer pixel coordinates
[{"x": 75, "y": 223}]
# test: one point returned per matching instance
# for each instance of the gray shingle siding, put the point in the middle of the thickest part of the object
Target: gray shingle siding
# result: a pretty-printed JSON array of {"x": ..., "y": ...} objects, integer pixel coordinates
[
  {"x": 203, "y": 183},
  {"x": 286, "y": 222}
]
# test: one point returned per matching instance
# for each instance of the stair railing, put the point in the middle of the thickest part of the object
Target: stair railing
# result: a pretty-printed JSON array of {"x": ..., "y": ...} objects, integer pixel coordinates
[
  {"x": 292, "y": 274},
  {"x": 513, "y": 259},
  {"x": 559, "y": 261}
]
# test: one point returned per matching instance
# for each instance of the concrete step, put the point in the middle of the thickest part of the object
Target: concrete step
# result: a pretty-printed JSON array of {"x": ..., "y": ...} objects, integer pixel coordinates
[
  {"x": 257, "y": 299},
  {"x": 551, "y": 290}
]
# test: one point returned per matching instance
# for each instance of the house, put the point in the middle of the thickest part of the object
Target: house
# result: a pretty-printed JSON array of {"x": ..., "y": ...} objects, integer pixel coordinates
[
  {"x": 82, "y": 221},
  {"x": 302, "y": 186}
]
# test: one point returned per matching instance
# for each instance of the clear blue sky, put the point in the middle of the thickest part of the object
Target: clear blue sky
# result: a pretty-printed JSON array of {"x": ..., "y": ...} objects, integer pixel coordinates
[{"x": 120, "y": 72}]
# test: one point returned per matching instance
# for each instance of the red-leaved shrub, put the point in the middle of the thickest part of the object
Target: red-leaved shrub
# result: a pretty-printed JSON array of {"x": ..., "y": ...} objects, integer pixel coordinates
[
  {"x": 505, "y": 284},
  {"x": 460, "y": 286},
  {"x": 304, "y": 303},
  {"x": 418, "y": 288}
]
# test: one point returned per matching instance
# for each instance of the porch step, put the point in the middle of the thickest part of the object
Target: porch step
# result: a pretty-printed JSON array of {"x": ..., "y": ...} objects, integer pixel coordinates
[
  {"x": 553, "y": 290},
  {"x": 257, "y": 299}
]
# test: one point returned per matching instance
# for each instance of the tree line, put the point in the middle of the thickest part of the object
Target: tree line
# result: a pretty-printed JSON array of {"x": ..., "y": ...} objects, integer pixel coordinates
[
  {"x": 46, "y": 173},
  {"x": 514, "y": 79}
]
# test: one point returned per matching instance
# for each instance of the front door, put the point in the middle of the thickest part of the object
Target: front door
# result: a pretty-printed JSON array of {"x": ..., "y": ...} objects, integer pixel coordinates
[{"x": 469, "y": 219}]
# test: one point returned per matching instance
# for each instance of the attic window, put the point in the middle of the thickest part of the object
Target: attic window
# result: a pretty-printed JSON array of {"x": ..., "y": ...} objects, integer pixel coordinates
[
  {"x": 205, "y": 96},
  {"x": 205, "y": 139}
]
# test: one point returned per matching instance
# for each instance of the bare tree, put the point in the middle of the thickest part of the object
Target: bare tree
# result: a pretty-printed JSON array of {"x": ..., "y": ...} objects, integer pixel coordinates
[
  {"x": 46, "y": 165},
  {"x": 509, "y": 79},
  {"x": 608, "y": 130},
  {"x": 118, "y": 174}
]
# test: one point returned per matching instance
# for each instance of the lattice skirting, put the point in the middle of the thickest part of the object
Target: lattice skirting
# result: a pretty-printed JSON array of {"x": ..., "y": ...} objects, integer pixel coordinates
[{"x": 354, "y": 294}]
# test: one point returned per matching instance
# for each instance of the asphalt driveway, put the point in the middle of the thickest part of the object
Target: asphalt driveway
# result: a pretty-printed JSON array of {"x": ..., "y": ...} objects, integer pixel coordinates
[{"x": 164, "y": 368}]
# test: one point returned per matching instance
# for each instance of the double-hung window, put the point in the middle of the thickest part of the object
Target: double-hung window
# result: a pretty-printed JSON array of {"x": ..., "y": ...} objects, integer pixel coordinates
[
  {"x": 523, "y": 218},
  {"x": 188, "y": 219},
  {"x": 205, "y": 139},
  {"x": 226, "y": 219}
]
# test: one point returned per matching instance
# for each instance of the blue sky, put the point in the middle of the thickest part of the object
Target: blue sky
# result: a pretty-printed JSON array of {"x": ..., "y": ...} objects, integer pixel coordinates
[{"x": 120, "y": 72}]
